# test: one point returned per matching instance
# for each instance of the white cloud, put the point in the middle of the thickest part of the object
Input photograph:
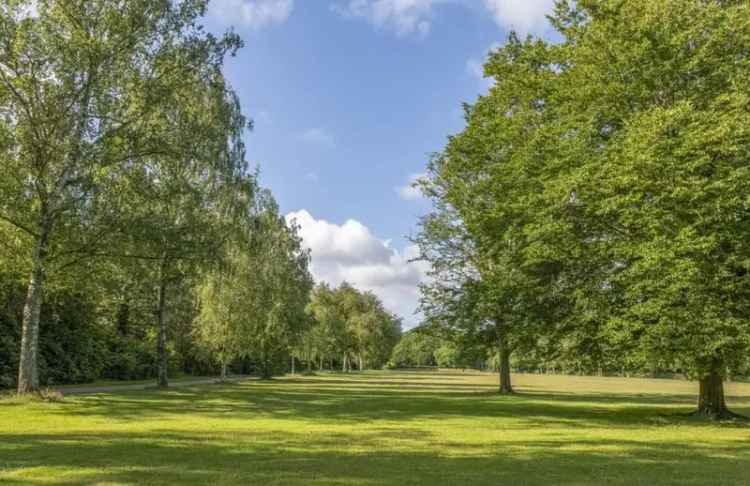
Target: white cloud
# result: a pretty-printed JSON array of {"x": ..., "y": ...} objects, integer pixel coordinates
[
  {"x": 350, "y": 252},
  {"x": 406, "y": 17},
  {"x": 409, "y": 192},
  {"x": 403, "y": 17},
  {"x": 524, "y": 16},
  {"x": 318, "y": 136},
  {"x": 251, "y": 13}
]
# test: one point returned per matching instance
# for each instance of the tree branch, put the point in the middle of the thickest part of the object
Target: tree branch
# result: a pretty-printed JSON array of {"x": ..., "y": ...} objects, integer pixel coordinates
[{"x": 18, "y": 225}]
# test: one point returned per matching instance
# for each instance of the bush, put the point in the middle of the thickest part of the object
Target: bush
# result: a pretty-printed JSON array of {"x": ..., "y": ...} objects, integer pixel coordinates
[
  {"x": 72, "y": 345},
  {"x": 129, "y": 358}
]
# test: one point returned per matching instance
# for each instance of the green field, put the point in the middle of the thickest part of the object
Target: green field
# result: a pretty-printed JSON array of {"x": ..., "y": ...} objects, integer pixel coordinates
[{"x": 379, "y": 428}]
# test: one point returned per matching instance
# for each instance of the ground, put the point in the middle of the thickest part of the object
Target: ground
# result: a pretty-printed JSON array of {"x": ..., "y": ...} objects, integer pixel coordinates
[{"x": 379, "y": 428}]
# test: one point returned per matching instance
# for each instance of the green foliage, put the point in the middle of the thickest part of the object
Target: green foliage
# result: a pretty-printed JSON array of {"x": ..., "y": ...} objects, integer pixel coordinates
[
  {"x": 129, "y": 358},
  {"x": 446, "y": 356},
  {"x": 122, "y": 178},
  {"x": 416, "y": 348},
  {"x": 72, "y": 345},
  {"x": 253, "y": 305},
  {"x": 596, "y": 205},
  {"x": 351, "y": 325}
]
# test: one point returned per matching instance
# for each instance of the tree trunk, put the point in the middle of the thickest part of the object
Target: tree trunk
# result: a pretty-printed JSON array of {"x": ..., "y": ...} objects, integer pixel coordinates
[
  {"x": 223, "y": 371},
  {"x": 504, "y": 368},
  {"x": 711, "y": 403},
  {"x": 361, "y": 363},
  {"x": 266, "y": 373},
  {"x": 161, "y": 346},
  {"x": 28, "y": 366},
  {"x": 123, "y": 318},
  {"x": 292, "y": 364}
]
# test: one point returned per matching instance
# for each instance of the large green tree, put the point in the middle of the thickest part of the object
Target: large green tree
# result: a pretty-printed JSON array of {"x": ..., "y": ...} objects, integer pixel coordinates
[
  {"x": 90, "y": 93},
  {"x": 481, "y": 289},
  {"x": 653, "y": 120},
  {"x": 184, "y": 208},
  {"x": 603, "y": 183}
]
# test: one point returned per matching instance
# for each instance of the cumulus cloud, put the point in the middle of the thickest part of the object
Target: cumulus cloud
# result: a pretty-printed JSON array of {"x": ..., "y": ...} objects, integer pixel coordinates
[
  {"x": 406, "y": 17},
  {"x": 318, "y": 136},
  {"x": 403, "y": 17},
  {"x": 409, "y": 192},
  {"x": 251, "y": 13},
  {"x": 350, "y": 252},
  {"x": 524, "y": 16}
]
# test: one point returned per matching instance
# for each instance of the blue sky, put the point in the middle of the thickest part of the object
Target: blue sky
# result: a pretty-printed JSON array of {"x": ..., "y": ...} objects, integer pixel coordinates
[{"x": 349, "y": 98}]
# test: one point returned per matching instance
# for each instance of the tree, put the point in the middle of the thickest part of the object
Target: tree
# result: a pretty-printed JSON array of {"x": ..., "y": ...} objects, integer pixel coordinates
[
  {"x": 184, "y": 208},
  {"x": 375, "y": 330},
  {"x": 446, "y": 356},
  {"x": 352, "y": 324},
  {"x": 480, "y": 288},
  {"x": 415, "y": 349},
  {"x": 327, "y": 310},
  {"x": 90, "y": 93},
  {"x": 605, "y": 177},
  {"x": 254, "y": 304},
  {"x": 312, "y": 347},
  {"x": 654, "y": 160}
]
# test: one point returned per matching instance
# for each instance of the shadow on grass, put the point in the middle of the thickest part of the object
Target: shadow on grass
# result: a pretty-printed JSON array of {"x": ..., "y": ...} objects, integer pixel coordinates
[
  {"x": 372, "y": 431},
  {"x": 346, "y": 401},
  {"x": 375, "y": 457}
]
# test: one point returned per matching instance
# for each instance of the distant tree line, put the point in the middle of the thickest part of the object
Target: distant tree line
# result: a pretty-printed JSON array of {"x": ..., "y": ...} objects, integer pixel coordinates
[
  {"x": 594, "y": 214},
  {"x": 421, "y": 348},
  {"x": 350, "y": 330}
]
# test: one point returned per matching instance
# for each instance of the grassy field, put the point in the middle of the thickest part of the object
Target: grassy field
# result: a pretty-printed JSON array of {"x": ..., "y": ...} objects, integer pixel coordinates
[{"x": 378, "y": 428}]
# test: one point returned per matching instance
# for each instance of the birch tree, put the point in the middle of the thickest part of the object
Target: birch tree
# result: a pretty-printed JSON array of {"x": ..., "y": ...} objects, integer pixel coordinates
[
  {"x": 254, "y": 305},
  {"x": 89, "y": 92}
]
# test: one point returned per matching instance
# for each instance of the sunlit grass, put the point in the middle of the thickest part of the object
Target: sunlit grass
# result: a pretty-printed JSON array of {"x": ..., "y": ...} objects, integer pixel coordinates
[{"x": 379, "y": 428}]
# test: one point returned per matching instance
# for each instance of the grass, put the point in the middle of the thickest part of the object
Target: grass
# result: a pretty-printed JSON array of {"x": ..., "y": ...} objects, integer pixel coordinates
[{"x": 378, "y": 428}]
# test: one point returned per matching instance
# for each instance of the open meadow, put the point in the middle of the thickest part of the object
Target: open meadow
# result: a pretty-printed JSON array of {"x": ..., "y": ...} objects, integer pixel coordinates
[{"x": 379, "y": 428}]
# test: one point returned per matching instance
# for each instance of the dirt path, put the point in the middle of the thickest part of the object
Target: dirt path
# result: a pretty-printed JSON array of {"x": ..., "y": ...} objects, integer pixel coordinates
[{"x": 91, "y": 390}]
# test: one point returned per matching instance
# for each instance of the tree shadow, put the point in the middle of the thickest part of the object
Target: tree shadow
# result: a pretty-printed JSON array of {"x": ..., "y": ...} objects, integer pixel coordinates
[
  {"x": 373, "y": 431},
  {"x": 372, "y": 457},
  {"x": 353, "y": 401}
]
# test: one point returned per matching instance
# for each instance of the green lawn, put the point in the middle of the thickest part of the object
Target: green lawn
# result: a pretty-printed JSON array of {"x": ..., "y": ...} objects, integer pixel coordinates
[{"x": 379, "y": 428}]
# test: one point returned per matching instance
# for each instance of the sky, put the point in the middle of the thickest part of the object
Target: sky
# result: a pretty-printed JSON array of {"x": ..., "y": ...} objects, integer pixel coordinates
[{"x": 349, "y": 98}]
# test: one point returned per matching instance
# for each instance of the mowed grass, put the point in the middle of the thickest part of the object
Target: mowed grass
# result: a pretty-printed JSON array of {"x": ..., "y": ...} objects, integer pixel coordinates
[{"x": 380, "y": 428}]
